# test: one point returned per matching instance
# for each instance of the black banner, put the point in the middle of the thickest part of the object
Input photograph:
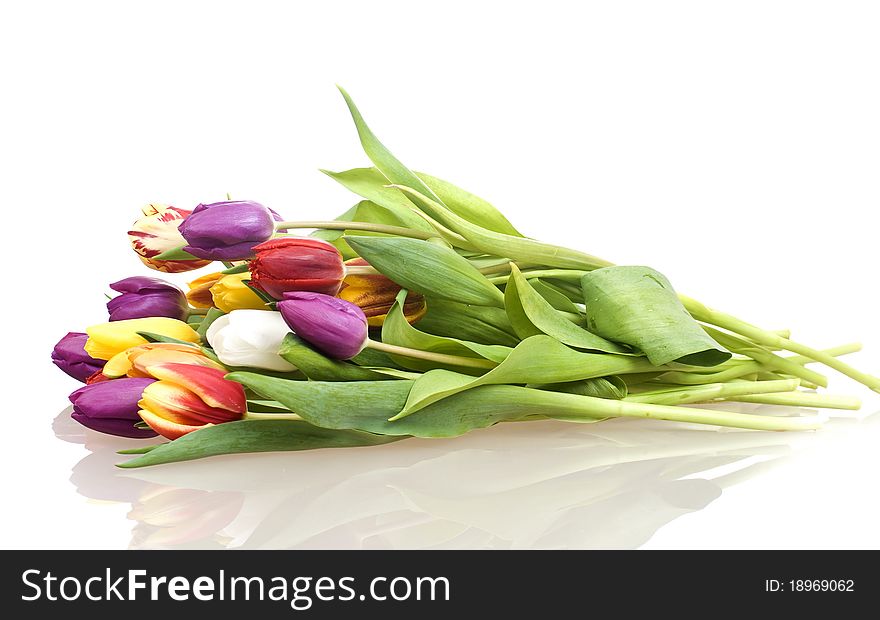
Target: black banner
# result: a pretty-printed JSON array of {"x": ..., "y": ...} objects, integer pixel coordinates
[{"x": 281, "y": 584}]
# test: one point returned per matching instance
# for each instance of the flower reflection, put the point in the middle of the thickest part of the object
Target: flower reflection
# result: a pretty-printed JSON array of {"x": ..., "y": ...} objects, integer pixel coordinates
[{"x": 517, "y": 485}]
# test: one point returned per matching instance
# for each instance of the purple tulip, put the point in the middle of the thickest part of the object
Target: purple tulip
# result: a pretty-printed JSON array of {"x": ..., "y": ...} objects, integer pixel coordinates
[
  {"x": 144, "y": 297},
  {"x": 70, "y": 356},
  {"x": 334, "y": 326},
  {"x": 227, "y": 230},
  {"x": 111, "y": 407}
]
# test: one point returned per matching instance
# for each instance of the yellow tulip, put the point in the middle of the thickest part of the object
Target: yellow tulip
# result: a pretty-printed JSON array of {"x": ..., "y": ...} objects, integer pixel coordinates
[
  {"x": 108, "y": 339},
  {"x": 231, "y": 293},
  {"x": 199, "y": 294}
]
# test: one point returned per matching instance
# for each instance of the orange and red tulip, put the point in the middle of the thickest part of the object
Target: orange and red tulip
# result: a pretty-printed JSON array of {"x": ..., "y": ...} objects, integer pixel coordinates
[
  {"x": 186, "y": 398},
  {"x": 138, "y": 361}
]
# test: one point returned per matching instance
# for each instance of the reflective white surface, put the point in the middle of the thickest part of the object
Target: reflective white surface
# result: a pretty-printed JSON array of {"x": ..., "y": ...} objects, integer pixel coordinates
[
  {"x": 514, "y": 486},
  {"x": 732, "y": 146}
]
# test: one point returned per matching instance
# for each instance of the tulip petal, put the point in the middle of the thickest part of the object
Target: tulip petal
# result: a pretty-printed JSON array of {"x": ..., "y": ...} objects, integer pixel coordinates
[
  {"x": 166, "y": 428},
  {"x": 108, "y": 339},
  {"x": 136, "y": 361},
  {"x": 182, "y": 406},
  {"x": 207, "y": 383}
]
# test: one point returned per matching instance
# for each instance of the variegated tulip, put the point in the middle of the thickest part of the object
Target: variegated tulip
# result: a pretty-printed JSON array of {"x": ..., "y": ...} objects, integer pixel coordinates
[
  {"x": 137, "y": 361},
  {"x": 157, "y": 232},
  {"x": 108, "y": 339},
  {"x": 375, "y": 294},
  {"x": 186, "y": 398}
]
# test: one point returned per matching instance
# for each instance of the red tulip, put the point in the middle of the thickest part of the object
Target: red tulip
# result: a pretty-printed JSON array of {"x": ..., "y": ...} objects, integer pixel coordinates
[{"x": 297, "y": 264}]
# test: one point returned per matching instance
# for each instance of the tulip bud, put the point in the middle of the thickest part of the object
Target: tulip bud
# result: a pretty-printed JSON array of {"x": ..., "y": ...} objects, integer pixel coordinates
[
  {"x": 108, "y": 339},
  {"x": 334, "y": 326},
  {"x": 250, "y": 338},
  {"x": 231, "y": 293},
  {"x": 199, "y": 294},
  {"x": 297, "y": 264},
  {"x": 187, "y": 398},
  {"x": 227, "y": 230},
  {"x": 157, "y": 232},
  {"x": 144, "y": 297},
  {"x": 137, "y": 361},
  {"x": 71, "y": 357},
  {"x": 376, "y": 293},
  {"x": 111, "y": 407}
]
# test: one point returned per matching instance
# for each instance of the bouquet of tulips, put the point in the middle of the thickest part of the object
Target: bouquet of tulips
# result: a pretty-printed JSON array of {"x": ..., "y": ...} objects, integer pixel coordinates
[{"x": 419, "y": 312}]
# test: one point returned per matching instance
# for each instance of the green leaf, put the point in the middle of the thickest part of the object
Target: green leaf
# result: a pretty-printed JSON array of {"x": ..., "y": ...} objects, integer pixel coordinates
[
  {"x": 391, "y": 167},
  {"x": 472, "y": 208},
  {"x": 317, "y": 367},
  {"x": 383, "y": 205},
  {"x": 140, "y": 450},
  {"x": 638, "y": 306},
  {"x": 482, "y": 324},
  {"x": 537, "y": 359},
  {"x": 153, "y": 337},
  {"x": 254, "y": 436},
  {"x": 602, "y": 387},
  {"x": 515, "y": 248},
  {"x": 176, "y": 254},
  {"x": 212, "y": 315},
  {"x": 367, "y": 405},
  {"x": 265, "y": 406},
  {"x": 371, "y": 184},
  {"x": 371, "y": 357},
  {"x": 396, "y": 330},
  {"x": 531, "y": 314},
  {"x": 555, "y": 297},
  {"x": 237, "y": 269},
  {"x": 428, "y": 268}
]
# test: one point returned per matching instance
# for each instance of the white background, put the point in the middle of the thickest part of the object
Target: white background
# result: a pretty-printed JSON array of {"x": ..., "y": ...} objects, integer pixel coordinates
[{"x": 731, "y": 145}]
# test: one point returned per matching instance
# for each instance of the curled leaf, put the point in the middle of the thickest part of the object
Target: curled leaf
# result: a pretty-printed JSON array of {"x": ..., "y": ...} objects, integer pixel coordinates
[
  {"x": 531, "y": 314},
  {"x": 638, "y": 306}
]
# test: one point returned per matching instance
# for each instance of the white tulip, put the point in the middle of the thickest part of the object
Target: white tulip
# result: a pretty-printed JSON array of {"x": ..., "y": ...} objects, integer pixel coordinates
[{"x": 250, "y": 338}]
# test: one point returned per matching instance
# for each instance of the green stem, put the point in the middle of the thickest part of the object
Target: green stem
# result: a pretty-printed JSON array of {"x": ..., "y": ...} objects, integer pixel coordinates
[
  {"x": 576, "y": 405},
  {"x": 712, "y": 391},
  {"x": 504, "y": 267},
  {"x": 738, "y": 368},
  {"x": 769, "y": 339},
  {"x": 271, "y": 416},
  {"x": 561, "y": 274},
  {"x": 440, "y": 358},
  {"x": 803, "y": 399},
  {"x": 400, "y": 231},
  {"x": 844, "y": 349},
  {"x": 196, "y": 311},
  {"x": 767, "y": 358}
]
